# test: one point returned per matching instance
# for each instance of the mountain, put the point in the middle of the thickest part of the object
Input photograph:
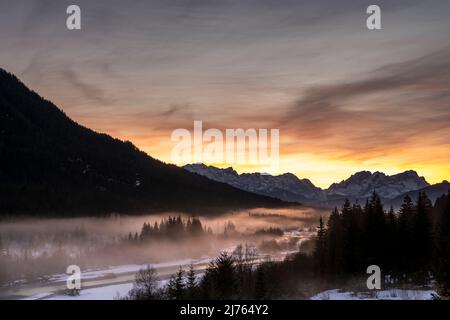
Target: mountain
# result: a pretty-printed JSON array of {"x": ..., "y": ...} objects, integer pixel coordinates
[
  {"x": 360, "y": 185},
  {"x": 433, "y": 192},
  {"x": 52, "y": 165},
  {"x": 288, "y": 187}
]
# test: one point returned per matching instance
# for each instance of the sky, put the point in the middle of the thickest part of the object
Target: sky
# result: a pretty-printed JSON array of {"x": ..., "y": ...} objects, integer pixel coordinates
[{"x": 344, "y": 98}]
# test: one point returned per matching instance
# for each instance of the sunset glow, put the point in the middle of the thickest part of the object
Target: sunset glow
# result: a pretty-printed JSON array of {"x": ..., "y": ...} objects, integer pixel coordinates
[{"x": 344, "y": 99}]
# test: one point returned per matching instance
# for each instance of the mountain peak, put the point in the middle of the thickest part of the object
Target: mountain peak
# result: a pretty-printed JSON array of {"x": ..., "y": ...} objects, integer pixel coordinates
[{"x": 362, "y": 184}]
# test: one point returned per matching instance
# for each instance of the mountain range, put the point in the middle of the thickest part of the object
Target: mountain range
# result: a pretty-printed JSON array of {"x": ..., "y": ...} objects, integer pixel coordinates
[
  {"x": 358, "y": 187},
  {"x": 51, "y": 165}
]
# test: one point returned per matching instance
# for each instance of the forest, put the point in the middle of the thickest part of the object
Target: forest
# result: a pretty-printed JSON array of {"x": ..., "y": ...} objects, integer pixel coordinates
[{"x": 411, "y": 246}]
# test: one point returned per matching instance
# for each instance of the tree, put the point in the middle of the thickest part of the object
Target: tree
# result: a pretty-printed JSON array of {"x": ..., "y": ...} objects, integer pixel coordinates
[
  {"x": 194, "y": 228},
  {"x": 176, "y": 286},
  {"x": 191, "y": 283},
  {"x": 320, "y": 248},
  {"x": 260, "y": 286},
  {"x": 392, "y": 243},
  {"x": 374, "y": 231},
  {"x": 405, "y": 236},
  {"x": 441, "y": 256},
  {"x": 334, "y": 243},
  {"x": 349, "y": 238},
  {"x": 220, "y": 281},
  {"x": 145, "y": 285},
  {"x": 2, "y": 262},
  {"x": 423, "y": 244}
]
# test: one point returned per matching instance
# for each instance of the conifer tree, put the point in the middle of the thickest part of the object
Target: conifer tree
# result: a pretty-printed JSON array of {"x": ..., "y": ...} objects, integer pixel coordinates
[
  {"x": 375, "y": 232},
  {"x": 260, "y": 285},
  {"x": 220, "y": 279},
  {"x": 176, "y": 286},
  {"x": 392, "y": 244},
  {"x": 441, "y": 257},
  {"x": 334, "y": 243},
  {"x": 423, "y": 244},
  {"x": 349, "y": 238},
  {"x": 405, "y": 236},
  {"x": 191, "y": 283},
  {"x": 320, "y": 248}
]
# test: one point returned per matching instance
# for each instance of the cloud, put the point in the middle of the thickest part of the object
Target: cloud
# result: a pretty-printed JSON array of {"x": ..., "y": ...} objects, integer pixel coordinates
[
  {"x": 87, "y": 90},
  {"x": 392, "y": 106}
]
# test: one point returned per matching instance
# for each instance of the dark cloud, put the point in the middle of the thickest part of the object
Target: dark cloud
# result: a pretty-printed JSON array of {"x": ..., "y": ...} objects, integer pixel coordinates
[
  {"x": 87, "y": 90},
  {"x": 407, "y": 100}
]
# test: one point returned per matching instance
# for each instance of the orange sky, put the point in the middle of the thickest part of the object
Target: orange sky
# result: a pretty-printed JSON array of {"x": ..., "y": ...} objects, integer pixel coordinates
[{"x": 344, "y": 98}]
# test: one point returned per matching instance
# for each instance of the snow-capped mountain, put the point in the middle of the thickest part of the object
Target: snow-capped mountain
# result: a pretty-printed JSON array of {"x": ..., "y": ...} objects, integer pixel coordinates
[
  {"x": 289, "y": 187},
  {"x": 433, "y": 192},
  {"x": 362, "y": 184}
]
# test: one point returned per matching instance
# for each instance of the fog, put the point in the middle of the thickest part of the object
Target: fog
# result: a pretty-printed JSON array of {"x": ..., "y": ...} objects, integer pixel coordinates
[{"x": 35, "y": 249}]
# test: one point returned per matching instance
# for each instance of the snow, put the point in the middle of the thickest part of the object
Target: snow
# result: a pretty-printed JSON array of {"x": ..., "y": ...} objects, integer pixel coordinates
[
  {"x": 130, "y": 268},
  {"x": 39, "y": 296},
  {"x": 392, "y": 294},
  {"x": 101, "y": 293}
]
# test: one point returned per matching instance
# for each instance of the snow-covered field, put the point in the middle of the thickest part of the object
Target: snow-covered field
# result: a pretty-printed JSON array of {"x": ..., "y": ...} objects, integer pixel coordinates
[
  {"x": 392, "y": 294},
  {"x": 101, "y": 293},
  {"x": 130, "y": 268}
]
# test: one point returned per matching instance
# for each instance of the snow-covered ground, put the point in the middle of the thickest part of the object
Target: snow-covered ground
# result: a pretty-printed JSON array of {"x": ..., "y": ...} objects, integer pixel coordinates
[
  {"x": 101, "y": 293},
  {"x": 392, "y": 294},
  {"x": 108, "y": 282},
  {"x": 130, "y": 268}
]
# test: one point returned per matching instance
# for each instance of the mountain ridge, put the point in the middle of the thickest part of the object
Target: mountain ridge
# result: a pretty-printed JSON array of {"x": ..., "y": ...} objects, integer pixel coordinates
[
  {"x": 52, "y": 165},
  {"x": 289, "y": 187}
]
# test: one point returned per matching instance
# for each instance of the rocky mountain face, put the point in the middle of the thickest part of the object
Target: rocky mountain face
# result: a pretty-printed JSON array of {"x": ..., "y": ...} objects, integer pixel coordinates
[
  {"x": 286, "y": 187},
  {"x": 289, "y": 187},
  {"x": 362, "y": 184}
]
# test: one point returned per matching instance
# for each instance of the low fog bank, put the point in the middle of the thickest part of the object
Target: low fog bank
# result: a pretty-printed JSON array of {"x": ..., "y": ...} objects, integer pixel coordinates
[{"x": 35, "y": 249}]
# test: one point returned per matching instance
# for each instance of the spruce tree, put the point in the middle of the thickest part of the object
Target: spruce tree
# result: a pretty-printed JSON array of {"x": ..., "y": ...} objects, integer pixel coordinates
[
  {"x": 392, "y": 247},
  {"x": 2, "y": 262},
  {"x": 349, "y": 238},
  {"x": 191, "y": 283},
  {"x": 423, "y": 244},
  {"x": 260, "y": 285},
  {"x": 334, "y": 243},
  {"x": 441, "y": 256},
  {"x": 176, "y": 286},
  {"x": 405, "y": 234},
  {"x": 220, "y": 279},
  {"x": 320, "y": 249},
  {"x": 375, "y": 231}
]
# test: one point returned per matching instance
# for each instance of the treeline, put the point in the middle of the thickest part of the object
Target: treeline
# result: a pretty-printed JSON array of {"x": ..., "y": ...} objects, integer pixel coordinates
[
  {"x": 229, "y": 277},
  {"x": 272, "y": 231},
  {"x": 2, "y": 261},
  {"x": 172, "y": 228},
  {"x": 410, "y": 246}
]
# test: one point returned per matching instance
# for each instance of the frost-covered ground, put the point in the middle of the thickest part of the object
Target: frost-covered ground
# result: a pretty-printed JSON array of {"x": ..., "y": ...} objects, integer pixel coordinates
[
  {"x": 392, "y": 294},
  {"x": 111, "y": 292},
  {"x": 130, "y": 268},
  {"x": 106, "y": 283},
  {"x": 101, "y": 293}
]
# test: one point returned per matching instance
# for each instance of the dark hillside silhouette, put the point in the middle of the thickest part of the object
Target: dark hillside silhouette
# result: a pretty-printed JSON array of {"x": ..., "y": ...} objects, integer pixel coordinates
[{"x": 51, "y": 165}]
